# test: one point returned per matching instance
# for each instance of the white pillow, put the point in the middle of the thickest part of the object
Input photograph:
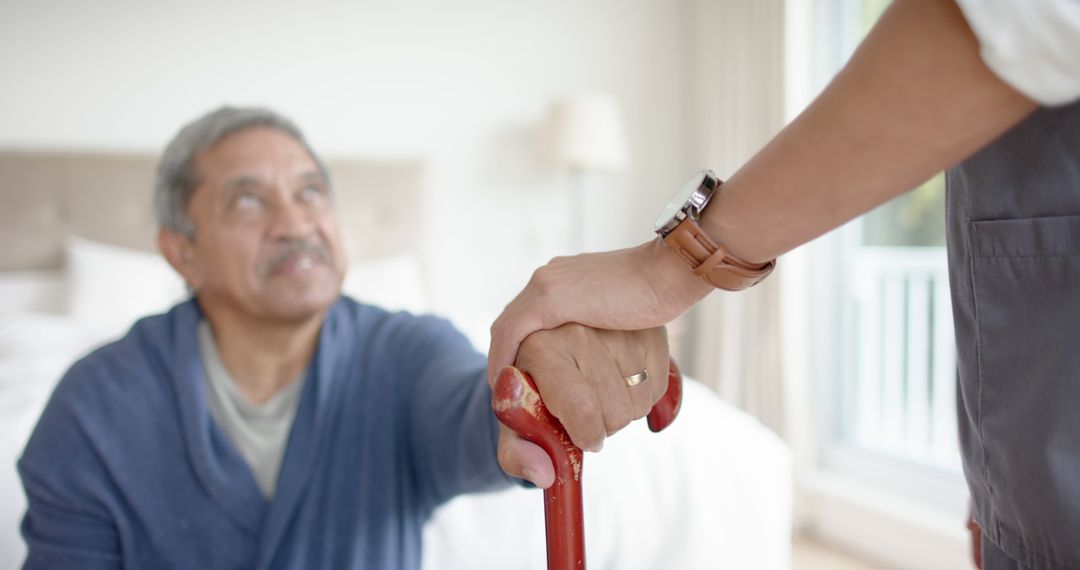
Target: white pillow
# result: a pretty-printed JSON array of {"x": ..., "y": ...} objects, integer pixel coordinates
[
  {"x": 29, "y": 333},
  {"x": 110, "y": 287},
  {"x": 393, "y": 282},
  {"x": 32, "y": 291}
]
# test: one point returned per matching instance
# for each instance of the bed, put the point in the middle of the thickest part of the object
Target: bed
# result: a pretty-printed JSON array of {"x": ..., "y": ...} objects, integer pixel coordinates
[{"x": 78, "y": 266}]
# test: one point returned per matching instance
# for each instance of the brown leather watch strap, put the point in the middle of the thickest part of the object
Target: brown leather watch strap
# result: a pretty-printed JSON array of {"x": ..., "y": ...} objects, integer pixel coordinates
[{"x": 712, "y": 262}]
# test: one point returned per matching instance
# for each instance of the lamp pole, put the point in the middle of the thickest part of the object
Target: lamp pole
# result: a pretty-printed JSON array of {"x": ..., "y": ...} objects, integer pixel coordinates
[{"x": 579, "y": 204}]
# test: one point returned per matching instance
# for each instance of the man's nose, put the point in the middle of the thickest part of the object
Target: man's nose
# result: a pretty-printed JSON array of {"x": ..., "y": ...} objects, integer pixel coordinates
[{"x": 292, "y": 220}]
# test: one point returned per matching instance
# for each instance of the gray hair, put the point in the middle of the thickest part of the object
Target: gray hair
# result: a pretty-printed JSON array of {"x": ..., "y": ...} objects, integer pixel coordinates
[{"x": 176, "y": 176}]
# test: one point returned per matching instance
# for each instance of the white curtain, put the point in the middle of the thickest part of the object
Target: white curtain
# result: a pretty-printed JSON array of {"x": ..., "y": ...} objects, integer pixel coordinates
[{"x": 736, "y": 89}]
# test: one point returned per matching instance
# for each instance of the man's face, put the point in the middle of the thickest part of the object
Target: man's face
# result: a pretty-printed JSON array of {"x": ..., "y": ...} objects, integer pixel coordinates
[{"x": 266, "y": 240}]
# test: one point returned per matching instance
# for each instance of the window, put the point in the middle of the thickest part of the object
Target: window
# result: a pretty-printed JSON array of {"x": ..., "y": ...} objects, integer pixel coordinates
[
  {"x": 892, "y": 396},
  {"x": 896, "y": 388},
  {"x": 886, "y": 371},
  {"x": 894, "y": 392},
  {"x": 870, "y": 348}
]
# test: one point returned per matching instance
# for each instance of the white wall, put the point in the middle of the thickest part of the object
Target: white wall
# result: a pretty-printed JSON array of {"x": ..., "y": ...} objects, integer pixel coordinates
[{"x": 463, "y": 84}]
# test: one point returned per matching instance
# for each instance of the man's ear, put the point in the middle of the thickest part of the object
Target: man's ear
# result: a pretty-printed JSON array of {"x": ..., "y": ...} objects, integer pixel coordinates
[{"x": 179, "y": 251}]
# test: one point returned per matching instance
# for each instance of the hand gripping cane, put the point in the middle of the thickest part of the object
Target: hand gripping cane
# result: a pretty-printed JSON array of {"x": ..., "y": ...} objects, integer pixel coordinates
[{"x": 517, "y": 405}]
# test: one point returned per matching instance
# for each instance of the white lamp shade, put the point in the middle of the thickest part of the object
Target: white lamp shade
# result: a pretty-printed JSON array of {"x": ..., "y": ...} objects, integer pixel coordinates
[{"x": 586, "y": 132}]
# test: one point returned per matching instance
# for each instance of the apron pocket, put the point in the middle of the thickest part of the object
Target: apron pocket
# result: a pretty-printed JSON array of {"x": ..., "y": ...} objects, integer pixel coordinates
[{"x": 1026, "y": 279}]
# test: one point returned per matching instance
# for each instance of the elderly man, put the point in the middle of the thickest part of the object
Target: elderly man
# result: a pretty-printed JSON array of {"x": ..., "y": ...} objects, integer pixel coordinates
[{"x": 270, "y": 422}]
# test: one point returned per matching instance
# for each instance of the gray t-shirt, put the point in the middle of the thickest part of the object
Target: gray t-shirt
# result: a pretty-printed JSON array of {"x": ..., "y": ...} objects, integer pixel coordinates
[{"x": 259, "y": 431}]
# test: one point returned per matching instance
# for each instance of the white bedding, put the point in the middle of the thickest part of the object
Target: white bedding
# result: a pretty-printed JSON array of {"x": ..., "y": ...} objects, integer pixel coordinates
[
  {"x": 35, "y": 350},
  {"x": 32, "y": 291},
  {"x": 713, "y": 491}
]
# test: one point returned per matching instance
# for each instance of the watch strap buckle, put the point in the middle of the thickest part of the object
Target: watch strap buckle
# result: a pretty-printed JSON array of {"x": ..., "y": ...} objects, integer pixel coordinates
[{"x": 712, "y": 262}]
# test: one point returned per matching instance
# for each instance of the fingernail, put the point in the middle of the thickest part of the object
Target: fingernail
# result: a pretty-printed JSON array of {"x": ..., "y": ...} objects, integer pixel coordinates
[{"x": 530, "y": 475}]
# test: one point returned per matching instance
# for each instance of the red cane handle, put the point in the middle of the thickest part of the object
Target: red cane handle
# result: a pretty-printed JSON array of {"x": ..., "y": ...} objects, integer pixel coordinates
[
  {"x": 664, "y": 412},
  {"x": 518, "y": 405}
]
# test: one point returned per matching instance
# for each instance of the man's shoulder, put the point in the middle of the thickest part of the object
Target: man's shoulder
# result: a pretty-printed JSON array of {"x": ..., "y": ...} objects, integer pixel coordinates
[
  {"x": 115, "y": 401},
  {"x": 400, "y": 341},
  {"x": 374, "y": 321},
  {"x": 136, "y": 364}
]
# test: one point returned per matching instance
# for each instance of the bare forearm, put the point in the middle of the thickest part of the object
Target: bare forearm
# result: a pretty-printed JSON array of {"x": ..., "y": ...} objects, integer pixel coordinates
[{"x": 915, "y": 99}]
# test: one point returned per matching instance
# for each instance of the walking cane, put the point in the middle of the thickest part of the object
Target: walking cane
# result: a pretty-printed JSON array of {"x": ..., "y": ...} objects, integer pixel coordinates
[{"x": 517, "y": 405}]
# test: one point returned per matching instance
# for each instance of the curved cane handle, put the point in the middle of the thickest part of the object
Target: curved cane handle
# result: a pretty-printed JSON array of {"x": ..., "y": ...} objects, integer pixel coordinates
[
  {"x": 518, "y": 405},
  {"x": 664, "y": 412}
]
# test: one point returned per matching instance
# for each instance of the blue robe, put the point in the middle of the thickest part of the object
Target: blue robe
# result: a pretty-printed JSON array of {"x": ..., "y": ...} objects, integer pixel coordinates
[{"x": 126, "y": 468}]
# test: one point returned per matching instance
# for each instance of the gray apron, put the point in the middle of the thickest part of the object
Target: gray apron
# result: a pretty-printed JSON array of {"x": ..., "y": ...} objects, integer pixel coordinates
[{"x": 1014, "y": 268}]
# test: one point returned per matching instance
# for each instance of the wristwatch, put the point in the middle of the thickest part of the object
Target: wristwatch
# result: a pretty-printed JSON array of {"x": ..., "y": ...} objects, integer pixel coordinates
[{"x": 679, "y": 228}]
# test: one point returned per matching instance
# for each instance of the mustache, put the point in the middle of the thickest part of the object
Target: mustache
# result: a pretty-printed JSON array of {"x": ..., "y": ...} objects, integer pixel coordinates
[{"x": 292, "y": 247}]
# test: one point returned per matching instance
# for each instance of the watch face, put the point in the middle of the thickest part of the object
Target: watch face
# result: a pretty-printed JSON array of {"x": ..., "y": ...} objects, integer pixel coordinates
[{"x": 679, "y": 200}]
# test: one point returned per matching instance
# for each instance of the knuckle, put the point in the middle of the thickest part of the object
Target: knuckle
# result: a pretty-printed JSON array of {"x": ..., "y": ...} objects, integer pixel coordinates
[
  {"x": 576, "y": 331},
  {"x": 641, "y": 407},
  {"x": 583, "y": 405},
  {"x": 584, "y": 421},
  {"x": 542, "y": 279},
  {"x": 659, "y": 387},
  {"x": 530, "y": 342},
  {"x": 659, "y": 340},
  {"x": 535, "y": 342},
  {"x": 617, "y": 420}
]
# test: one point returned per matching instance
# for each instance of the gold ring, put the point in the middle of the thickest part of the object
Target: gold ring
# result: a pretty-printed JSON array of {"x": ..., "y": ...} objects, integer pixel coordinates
[{"x": 635, "y": 379}]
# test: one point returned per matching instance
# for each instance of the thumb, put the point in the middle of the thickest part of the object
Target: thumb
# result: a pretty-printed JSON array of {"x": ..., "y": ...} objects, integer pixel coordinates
[
  {"x": 506, "y": 336},
  {"x": 524, "y": 460},
  {"x": 507, "y": 333},
  {"x": 502, "y": 352}
]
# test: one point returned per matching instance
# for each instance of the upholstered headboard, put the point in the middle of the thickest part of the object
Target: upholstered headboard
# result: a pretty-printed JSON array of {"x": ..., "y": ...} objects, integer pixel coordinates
[{"x": 47, "y": 196}]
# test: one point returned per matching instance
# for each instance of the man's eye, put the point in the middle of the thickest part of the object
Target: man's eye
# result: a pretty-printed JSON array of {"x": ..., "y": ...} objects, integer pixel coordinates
[
  {"x": 248, "y": 201},
  {"x": 310, "y": 193}
]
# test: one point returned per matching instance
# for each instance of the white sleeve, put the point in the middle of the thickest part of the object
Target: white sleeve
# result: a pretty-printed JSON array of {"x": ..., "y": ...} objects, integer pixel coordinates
[{"x": 1033, "y": 45}]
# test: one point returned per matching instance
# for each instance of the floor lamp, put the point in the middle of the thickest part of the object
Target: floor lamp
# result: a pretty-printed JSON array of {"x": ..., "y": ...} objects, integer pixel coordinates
[{"x": 585, "y": 137}]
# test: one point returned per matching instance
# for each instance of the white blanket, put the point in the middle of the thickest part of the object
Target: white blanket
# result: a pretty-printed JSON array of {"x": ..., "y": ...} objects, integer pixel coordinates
[{"x": 712, "y": 491}]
